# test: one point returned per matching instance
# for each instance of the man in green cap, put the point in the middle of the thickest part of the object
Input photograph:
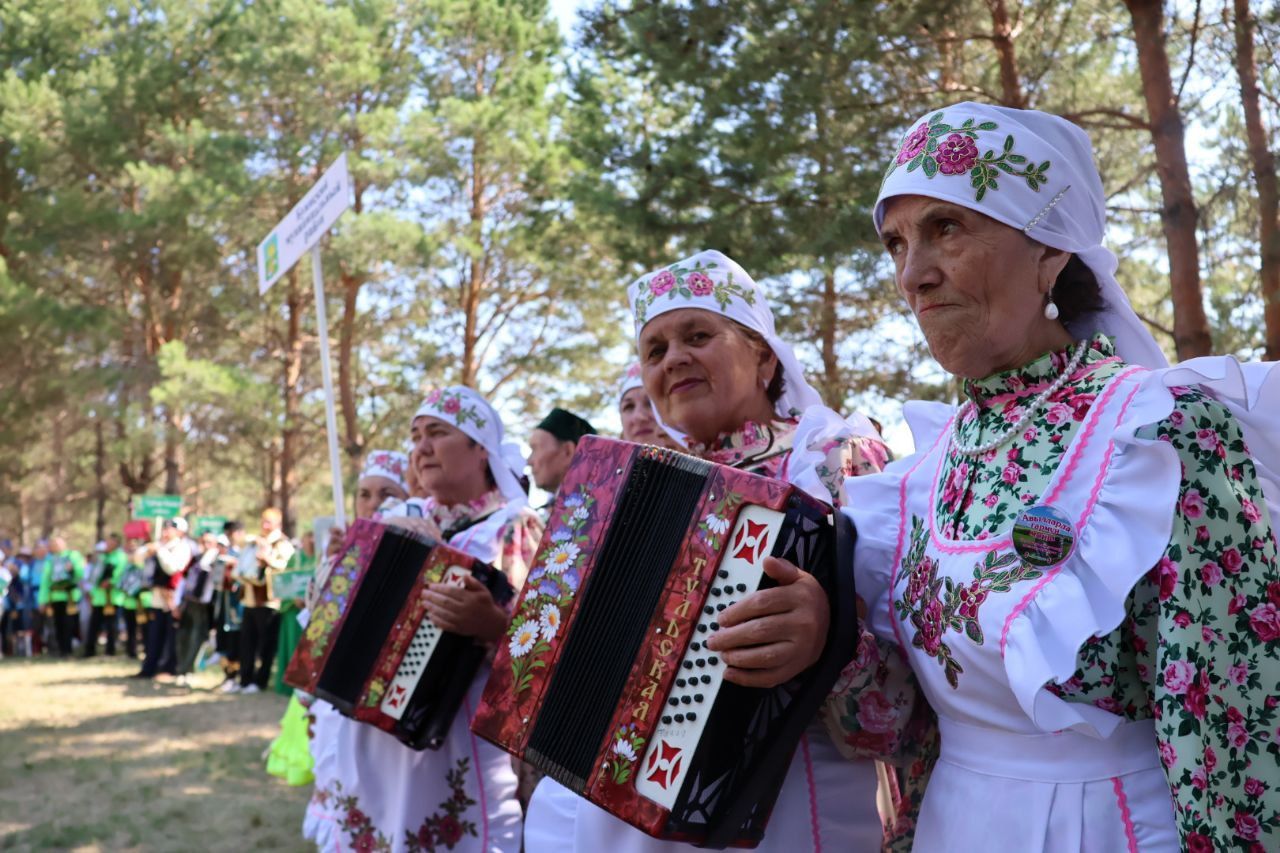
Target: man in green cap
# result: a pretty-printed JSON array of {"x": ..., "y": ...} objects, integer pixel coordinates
[
  {"x": 553, "y": 443},
  {"x": 59, "y": 594}
]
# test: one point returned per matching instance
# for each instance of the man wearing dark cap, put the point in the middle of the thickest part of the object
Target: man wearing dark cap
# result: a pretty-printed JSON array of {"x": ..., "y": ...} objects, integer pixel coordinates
[{"x": 553, "y": 442}]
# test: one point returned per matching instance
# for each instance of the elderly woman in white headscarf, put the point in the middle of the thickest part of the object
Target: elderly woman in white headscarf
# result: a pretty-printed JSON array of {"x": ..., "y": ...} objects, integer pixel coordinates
[
  {"x": 381, "y": 795},
  {"x": 721, "y": 379},
  {"x": 1079, "y": 561}
]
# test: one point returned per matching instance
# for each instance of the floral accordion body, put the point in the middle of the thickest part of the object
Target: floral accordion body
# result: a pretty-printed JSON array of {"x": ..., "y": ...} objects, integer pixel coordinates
[
  {"x": 605, "y": 684},
  {"x": 369, "y": 648}
]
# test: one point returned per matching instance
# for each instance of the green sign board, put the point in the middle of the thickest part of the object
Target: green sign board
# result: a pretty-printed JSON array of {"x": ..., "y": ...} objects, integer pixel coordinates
[
  {"x": 157, "y": 506},
  {"x": 203, "y": 524}
]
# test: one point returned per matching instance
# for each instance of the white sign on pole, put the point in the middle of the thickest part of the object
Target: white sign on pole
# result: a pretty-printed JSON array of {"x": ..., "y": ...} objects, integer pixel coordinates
[
  {"x": 300, "y": 230},
  {"x": 303, "y": 226}
]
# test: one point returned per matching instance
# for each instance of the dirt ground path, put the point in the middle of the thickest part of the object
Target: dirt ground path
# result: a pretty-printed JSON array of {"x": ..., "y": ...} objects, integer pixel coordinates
[{"x": 93, "y": 760}]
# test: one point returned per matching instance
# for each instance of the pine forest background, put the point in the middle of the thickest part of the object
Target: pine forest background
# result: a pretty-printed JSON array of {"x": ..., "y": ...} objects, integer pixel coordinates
[{"x": 516, "y": 164}]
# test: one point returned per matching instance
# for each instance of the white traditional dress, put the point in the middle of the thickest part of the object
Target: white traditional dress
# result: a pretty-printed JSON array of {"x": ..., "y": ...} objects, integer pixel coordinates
[
  {"x": 1124, "y": 698},
  {"x": 827, "y": 802},
  {"x": 374, "y": 793}
]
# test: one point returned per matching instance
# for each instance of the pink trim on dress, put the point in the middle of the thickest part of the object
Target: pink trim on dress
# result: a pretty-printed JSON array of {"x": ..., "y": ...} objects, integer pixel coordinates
[
  {"x": 902, "y": 532},
  {"x": 475, "y": 756},
  {"x": 1122, "y": 802},
  {"x": 813, "y": 794},
  {"x": 1078, "y": 447},
  {"x": 1024, "y": 603},
  {"x": 1082, "y": 441},
  {"x": 1058, "y": 482},
  {"x": 1096, "y": 492}
]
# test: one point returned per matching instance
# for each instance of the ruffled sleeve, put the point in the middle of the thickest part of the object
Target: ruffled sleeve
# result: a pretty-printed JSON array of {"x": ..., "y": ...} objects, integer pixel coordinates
[
  {"x": 877, "y": 709},
  {"x": 875, "y": 506},
  {"x": 1213, "y": 630},
  {"x": 1179, "y": 554}
]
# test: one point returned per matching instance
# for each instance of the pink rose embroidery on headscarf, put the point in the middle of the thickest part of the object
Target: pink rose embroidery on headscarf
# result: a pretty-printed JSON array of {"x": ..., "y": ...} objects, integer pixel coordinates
[
  {"x": 662, "y": 283},
  {"x": 956, "y": 155},
  {"x": 913, "y": 143}
]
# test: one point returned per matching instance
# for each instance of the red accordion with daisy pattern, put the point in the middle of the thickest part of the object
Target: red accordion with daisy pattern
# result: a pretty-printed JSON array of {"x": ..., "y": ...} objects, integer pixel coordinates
[
  {"x": 370, "y": 649},
  {"x": 605, "y": 683}
]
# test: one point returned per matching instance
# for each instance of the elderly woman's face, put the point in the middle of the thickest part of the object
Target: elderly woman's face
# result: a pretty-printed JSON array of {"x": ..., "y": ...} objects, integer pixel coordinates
[
  {"x": 450, "y": 466},
  {"x": 703, "y": 374},
  {"x": 976, "y": 286},
  {"x": 372, "y": 491}
]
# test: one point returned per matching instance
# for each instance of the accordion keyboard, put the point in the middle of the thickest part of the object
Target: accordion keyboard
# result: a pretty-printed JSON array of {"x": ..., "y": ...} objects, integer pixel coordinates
[
  {"x": 416, "y": 657},
  {"x": 701, "y": 672}
]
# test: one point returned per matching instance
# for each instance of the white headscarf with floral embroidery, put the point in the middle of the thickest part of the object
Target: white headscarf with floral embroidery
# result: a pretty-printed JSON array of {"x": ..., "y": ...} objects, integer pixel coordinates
[
  {"x": 390, "y": 464},
  {"x": 633, "y": 378},
  {"x": 714, "y": 282},
  {"x": 465, "y": 409},
  {"x": 1033, "y": 172}
]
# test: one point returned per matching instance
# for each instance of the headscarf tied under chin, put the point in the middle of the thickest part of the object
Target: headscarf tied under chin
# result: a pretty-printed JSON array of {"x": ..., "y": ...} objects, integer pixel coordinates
[
  {"x": 1031, "y": 171},
  {"x": 711, "y": 281},
  {"x": 465, "y": 409}
]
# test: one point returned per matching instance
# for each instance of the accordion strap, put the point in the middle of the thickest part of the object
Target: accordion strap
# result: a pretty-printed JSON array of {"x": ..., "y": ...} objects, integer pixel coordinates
[{"x": 463, "y": 526}]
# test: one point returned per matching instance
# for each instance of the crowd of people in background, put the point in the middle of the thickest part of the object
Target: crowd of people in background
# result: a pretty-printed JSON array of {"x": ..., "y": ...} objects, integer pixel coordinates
[{"x": 174, "y": 601}]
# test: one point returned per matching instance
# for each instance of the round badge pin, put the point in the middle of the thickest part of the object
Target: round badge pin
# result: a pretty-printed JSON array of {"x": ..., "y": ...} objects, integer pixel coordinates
[{"x": 1043, "y": 536}]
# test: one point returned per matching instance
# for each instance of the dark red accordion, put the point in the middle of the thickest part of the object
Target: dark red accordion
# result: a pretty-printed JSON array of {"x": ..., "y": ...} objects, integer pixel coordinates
[
  {"x": 605, "y": 682},
  {"x": 369, "y": 648}
]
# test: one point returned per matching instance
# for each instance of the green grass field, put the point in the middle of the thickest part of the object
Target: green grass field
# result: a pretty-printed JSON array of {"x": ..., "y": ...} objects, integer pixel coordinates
[{"x": 92, "y": 760}]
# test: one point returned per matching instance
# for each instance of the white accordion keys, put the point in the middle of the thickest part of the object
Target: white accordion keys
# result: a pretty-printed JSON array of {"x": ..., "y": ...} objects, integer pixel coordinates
[
  {"x": 416, "y": 656},
  {"x": 700, "y": 672}
]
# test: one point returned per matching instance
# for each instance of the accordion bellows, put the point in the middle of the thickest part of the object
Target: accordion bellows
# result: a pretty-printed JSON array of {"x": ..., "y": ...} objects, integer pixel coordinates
[
  {"x": 369, "y": 648},
  {"x": 605, "y": 683}
]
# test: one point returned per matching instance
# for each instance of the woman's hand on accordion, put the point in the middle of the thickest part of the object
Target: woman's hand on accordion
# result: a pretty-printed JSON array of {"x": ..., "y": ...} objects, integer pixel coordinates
[
  {"x": 468, "y": 609},
  {"x": 774, "y": 634}
]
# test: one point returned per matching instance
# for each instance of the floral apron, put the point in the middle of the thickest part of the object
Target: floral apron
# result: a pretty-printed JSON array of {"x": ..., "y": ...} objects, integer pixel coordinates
[{"x": 1020, "y": 769}]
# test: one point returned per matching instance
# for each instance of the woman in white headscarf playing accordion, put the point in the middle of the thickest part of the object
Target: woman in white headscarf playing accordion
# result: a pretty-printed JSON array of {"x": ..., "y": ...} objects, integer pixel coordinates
[
  {"x": 722, "y": 381},
  {"x": 375, "y": 793},
  {"x": 1079, "y": 561}
]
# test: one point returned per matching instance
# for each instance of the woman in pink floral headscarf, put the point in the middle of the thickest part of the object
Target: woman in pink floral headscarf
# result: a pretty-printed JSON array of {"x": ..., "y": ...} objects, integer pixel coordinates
[
  {"x": 377, "y": 794},
  {"x": 1079, "y": 561},
  {"x": 723, "y": 382}
]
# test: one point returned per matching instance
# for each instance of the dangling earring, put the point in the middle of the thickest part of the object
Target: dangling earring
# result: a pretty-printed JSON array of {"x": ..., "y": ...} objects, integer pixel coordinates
[{"x": 1050, "y": 307}]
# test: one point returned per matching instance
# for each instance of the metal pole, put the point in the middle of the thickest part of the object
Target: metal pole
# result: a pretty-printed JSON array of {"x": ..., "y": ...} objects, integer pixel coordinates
[{"x": 330, "y": 417}]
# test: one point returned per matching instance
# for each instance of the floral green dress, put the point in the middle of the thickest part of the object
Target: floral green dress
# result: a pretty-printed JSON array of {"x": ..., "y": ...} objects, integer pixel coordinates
[{"x": 1187, "y": 640}]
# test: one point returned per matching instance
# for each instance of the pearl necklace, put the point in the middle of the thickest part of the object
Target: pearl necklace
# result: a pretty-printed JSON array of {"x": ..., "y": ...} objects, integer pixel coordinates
[{"x": 1028, "y": 411}]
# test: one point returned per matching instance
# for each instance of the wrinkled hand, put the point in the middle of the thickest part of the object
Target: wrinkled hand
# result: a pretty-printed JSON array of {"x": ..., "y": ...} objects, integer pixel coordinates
[
  {"x": 468, "y": 610},
  {"x": 774, "y": 634},
  {"x": 424, "y": 526}
]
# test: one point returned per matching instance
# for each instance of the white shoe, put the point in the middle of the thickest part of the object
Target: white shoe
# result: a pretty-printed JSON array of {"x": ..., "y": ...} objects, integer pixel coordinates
[
  {"x": 252, "y": 688},
  {"x": 231, "y": 687}
]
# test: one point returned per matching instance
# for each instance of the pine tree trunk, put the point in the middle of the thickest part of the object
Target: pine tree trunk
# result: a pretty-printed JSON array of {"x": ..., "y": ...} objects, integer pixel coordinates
[
  {"x": 58, "y": 478},
  {"x": 1264, "y": 173},
  {"x": 833, "y": 388},
  {"x": 347, "y": 357},
  {"x": 100, "y": 473},
  {"x": 292, "y": 401},
  {"x": 1178, "y": 214},
  {"x": 1012, "y": 94},
  {"x": 172, "y": 450}
]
